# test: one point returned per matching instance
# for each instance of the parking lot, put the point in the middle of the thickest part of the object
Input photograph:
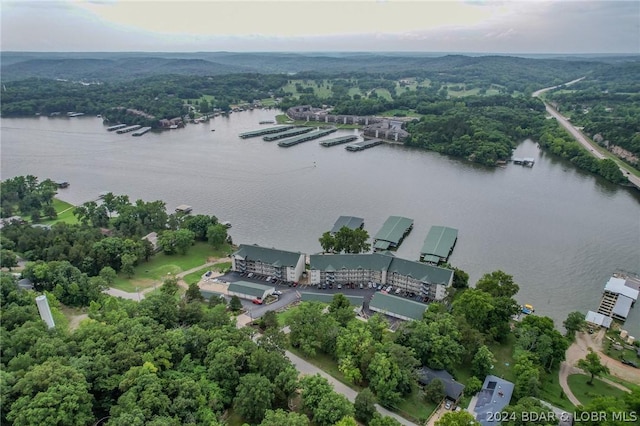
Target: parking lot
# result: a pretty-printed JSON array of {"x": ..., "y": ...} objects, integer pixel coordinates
[{"x": 290, "y": 293}]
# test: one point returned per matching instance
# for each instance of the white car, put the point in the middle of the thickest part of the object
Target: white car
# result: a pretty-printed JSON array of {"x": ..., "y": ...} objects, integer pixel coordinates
[{"x": 277, "y": 293}]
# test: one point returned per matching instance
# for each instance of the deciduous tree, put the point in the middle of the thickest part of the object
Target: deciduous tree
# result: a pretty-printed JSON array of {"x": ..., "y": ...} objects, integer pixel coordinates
[{"x": 592, "y": 365}]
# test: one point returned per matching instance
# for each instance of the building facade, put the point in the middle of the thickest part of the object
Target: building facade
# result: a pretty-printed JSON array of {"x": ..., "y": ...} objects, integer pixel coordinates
[
  {"x": 280, "y": 264},
  {"x": 408, "y": 276}
]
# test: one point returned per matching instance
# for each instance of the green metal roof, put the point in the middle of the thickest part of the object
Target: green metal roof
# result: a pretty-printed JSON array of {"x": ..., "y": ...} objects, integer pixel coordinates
[
  {"x": 420, "y": 271},
  {"x": 431, "y": 259},
  {"x": 381, "y": 245},
  {"x": 328, "y": 298},
  {"x": 253, "y": 289},
  {"x": 350, "y": 222},
  {"x": 394, "y": 229},
  {"x": 439, "y": 241},
  {"x": 398, "y": 305},
  {"x": 270, "y": 256},
  {"x": 336, "y": 262},
  {"x": 209, "y": 294}
]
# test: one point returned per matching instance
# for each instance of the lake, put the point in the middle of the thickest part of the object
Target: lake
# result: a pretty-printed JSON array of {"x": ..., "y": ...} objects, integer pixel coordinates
[{"x": 559, "y": 231}]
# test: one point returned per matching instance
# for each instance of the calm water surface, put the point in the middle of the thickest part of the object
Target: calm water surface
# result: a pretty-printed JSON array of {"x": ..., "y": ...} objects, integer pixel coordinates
[{"x": 558, "y": 231}]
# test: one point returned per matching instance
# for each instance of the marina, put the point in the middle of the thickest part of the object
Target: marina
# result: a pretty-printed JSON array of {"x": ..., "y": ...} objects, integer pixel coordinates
[
  {"x": 128, "y": 129},
  {"x": 582, "y": 246},
  {"x": 438, "y": 244},
  {"x": 361, "y": 146},
  {"x": 116, "y": 127},
  {"x": 393, "y": 231},
  {"x": 338, "y": 141},
  {"x": 141, "y": 131},
  {"x": 288, "y": 133},
  {"x": 307, "y": 137},
  {"x": 262, "y": 132}
]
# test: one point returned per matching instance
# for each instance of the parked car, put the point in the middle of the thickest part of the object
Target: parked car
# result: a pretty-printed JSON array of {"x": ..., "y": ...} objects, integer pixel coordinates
[
  {"x": 379, "y": 287},
  {"x": 361, "y": 285},
  {"x": 268, "y": 278},
  {"x": 208, "y": 274},
  {"x": 250, "y": 275},
  {"x": 295, "y": 283},
  {"x": 257, "y": 301},
  {"x": 277, "y": 293},
  {"x": 447, "y": 405},
  {"x": 339, "y": 286},
  {"x": 629, "y": 363}
]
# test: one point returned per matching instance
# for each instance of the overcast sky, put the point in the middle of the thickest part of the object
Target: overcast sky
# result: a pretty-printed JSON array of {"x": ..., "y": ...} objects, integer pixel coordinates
[{"x": 533, "y": 26}]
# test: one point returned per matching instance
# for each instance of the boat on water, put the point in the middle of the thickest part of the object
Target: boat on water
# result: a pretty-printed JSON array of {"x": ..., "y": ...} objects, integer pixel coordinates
[
  {"x": 267, "y": 122},
  {"x": 173, "y": 126},
  {"x": 213, "y": 130},
  {"x": 226, "y": 224},
  {"x": 527, "y": 309}
]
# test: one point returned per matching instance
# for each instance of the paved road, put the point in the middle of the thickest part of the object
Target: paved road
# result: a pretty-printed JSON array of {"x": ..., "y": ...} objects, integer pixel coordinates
[
  {"x": 119, "y": 293},
  {"x": 578, "y": 135},
  {"x": 309, "y": 369}
]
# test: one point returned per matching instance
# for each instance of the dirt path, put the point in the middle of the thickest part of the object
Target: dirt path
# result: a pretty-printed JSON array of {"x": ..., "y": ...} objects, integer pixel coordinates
[
  {"x": 579, "y": 349},
  {"x": 74, "y": 321}
]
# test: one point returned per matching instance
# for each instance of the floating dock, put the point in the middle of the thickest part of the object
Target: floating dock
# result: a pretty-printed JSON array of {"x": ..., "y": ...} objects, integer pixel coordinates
[
  {"x": 267, "y": 122},
  {"x": 438, "y": 244},
  {"x": 262, "y": 132},
  {"x": 339, "y": 141},
  {"x": 141, "y": 131},
  {"x": 527, "y": 161},
  {"x": 393, "y": 231},
  {"x": 287, "y": 134},
  {"x": 116, "y": 127},
  {"x": 183, "y": 208},
  {"x": 304, "y": 138},
  {"x": 361, "y": 146},
  {"x": 128, "y": 129}
]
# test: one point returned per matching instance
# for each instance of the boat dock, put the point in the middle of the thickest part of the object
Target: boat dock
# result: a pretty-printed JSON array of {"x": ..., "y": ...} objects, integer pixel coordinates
[
  {"x": 141, "y": 131},
  {"x": 287, "y": 134},
  {"x": 116, "y": 127},
  {"x": 304, "y": 138},
  {"x": 339, "y": 141},
  {"x": 527, "y": 161},
  {"x": 267, "y": 122},
  {"x": 619, "y": 296},
  {"x": 393, "y": 231},
  {"x": 128, "y": 129},
  {"x": 438, "y": 244},
  {"x": 361, "y": 146},
  {"x": 262, "y": 132},
  {"x": 183, "y": 208}
]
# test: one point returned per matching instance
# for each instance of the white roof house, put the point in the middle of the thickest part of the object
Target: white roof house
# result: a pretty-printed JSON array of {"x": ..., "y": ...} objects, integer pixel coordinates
[{"x": 598, "y": 319}]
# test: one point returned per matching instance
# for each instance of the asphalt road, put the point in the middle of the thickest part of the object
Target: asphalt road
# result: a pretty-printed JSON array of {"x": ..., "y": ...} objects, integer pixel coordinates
[{"x": 578, "y": 135}]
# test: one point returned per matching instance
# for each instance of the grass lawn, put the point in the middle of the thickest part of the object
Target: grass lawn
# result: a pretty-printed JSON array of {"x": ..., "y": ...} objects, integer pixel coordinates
[
  {"x": 586, "y": 393},
  {"x": 384, "y": 93},
  {"x": 354, "y": 91},
  {"x": 631, "y": 386},
  {"x": 159, "y": 266},
  {"x": 551, "y": 391},
  {"x": 415, "y": 407},
  {"x": 268, "y": 102},
  {"x": 321, "y": 92},
  {"x": 195, "y": 277},
  {"x": 65, "y": 213},
  {"x": 504, "y": 358}
]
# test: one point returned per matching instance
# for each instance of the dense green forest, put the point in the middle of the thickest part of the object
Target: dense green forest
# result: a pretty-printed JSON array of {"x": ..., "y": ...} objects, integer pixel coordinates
[{"x": 482, "y": 129}]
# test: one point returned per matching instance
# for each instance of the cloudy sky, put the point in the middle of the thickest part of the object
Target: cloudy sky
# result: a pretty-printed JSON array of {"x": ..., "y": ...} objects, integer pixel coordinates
[{"x": 522, "y": 26}]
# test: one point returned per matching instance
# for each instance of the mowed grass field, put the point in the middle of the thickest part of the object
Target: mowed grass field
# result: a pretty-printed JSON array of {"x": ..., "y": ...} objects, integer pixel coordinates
[{"x": 161, "y": 265}]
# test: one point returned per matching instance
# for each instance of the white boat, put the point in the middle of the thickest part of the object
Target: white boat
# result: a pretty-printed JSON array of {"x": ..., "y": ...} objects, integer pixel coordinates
[{"x": 173, "y": 126}]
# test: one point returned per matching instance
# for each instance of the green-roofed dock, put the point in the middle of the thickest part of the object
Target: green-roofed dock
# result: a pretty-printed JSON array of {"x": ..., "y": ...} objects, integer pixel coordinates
[
  {"x": 262, "y": 132},
  {"x": 350, "y": 222},
  {"x": 361, "y": 146},
  {"x": 287, "y": 134},
  {"x": 438, "y": 244},
  {"x": 339, "y": 141},
  {"x": 393, "y": 231},
  {"x": 304, "y": 138}
]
